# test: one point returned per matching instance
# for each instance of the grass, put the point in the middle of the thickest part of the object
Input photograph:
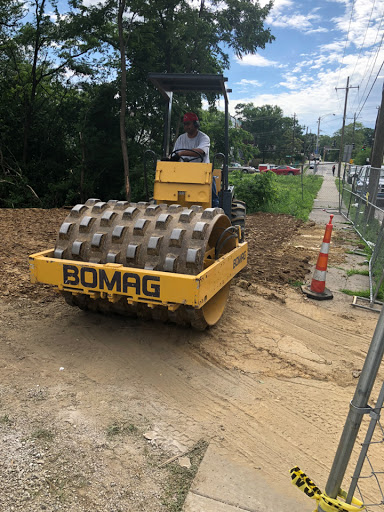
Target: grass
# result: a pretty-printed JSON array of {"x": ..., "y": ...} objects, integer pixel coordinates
[
  {"x": 354, "y": 272},
  {"x": 43, "y": 434},
  {"x": 267, "y": 192},
  {"x": 5, "y": 420},
  {"x": 295, "y": 198},
  {"x": 180, "y": 479},
  {"x": 296, "y": 284},
  {"x": 121, "y": 428},
  {"x": 359, "y": 293}
]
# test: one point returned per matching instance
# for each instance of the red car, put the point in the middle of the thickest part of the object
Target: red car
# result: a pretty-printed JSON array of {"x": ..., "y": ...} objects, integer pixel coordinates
[{"x": 284, "y": 169}]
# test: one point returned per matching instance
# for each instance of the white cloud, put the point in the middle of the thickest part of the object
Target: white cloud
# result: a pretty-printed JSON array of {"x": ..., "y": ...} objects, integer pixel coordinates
[
  {"x": 258, "y": 61},
  {"x": 278, "y": 5},
  {"x": 297, "y": 21},
  {"x": 308, "y": 85},
  {"x": 364, "y": 28},
  {"x": 244, "y": 81},
  {"x": 317, "y": 30}
]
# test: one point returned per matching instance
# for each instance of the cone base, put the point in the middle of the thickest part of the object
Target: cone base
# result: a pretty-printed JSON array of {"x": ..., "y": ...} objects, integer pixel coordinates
[{"x": 325, "y": 295}]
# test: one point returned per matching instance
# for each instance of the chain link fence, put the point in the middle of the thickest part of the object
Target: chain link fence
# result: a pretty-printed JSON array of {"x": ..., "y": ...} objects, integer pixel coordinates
[
  {"x": 367, "y": 219},
  {"x": 367, "y": 482}
]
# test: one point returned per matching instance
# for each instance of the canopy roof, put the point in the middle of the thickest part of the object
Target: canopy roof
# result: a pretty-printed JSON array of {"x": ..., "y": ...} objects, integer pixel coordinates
[{"x": 167, "y": 83}]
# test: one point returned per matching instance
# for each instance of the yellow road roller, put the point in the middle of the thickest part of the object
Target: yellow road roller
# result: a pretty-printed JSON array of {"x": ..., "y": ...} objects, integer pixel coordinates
[{"x": 168, "y": 259}]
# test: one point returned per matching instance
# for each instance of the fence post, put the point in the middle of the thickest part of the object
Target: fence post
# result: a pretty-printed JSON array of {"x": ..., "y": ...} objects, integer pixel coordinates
[{"x": 357, "y": 408}]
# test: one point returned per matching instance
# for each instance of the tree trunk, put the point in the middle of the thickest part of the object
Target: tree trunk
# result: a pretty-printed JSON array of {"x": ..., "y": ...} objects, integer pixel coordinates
[
  {"x": 123, "y": 96},
  {"x": 30, "y": 101}
]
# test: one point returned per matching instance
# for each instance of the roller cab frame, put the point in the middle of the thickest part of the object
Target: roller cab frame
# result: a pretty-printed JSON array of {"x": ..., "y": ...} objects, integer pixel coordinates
[{"x": 170, "y": 83}]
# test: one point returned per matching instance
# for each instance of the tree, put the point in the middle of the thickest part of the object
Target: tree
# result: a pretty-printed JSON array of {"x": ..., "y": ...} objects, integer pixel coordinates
[
  {"x": 172, "y": 36},
  {"x": 61, "y": 74},
  {"x": 240, "y": 141},
  {"x": 276, "y": 136}
]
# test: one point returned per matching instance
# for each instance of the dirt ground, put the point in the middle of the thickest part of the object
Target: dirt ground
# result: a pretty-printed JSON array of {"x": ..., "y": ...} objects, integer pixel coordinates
[{"x": 91, "y": 406}]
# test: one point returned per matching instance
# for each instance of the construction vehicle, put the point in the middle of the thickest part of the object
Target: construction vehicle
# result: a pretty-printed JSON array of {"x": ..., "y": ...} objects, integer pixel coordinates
[{"x": 169, "y": 259}]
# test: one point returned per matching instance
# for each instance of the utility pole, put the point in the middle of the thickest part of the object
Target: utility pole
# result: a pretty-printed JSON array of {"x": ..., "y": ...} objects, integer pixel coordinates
[
  {"x": 354, "y": 127},
  {"x": 341, "y": 152},
  {"x": 305, "y": 145},
  {"x": 377, "y": 154},
  {"x": 293, "y": 135}
]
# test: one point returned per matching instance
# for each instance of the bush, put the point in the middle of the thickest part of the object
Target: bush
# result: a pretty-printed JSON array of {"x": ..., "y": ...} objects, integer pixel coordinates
[{"x": 257, "y": 190}]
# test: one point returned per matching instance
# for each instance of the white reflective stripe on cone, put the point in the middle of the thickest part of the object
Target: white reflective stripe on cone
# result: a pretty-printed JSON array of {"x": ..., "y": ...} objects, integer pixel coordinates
[
  {"x": 319, "y": 275},
  {"x": 325, "y": 248}
]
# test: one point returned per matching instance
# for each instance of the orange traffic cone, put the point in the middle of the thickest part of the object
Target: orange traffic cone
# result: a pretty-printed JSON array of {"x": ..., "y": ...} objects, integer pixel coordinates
[{"x": 317, "y": 290}]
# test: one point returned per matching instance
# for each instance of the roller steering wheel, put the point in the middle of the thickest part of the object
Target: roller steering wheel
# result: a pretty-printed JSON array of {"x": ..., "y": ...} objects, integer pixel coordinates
[{"x": 198, "y": 155}]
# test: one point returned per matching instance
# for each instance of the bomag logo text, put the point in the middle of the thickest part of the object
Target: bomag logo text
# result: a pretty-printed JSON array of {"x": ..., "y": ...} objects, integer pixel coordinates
[
  {"x": 239, "y": 259},
  {"x": 121, "y": 282}
]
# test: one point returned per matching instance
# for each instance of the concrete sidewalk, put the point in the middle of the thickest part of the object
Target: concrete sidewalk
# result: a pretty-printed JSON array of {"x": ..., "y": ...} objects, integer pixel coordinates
[
  {"x": 225, "y": 485},
  {"x": 327, "y": 203},
  {"x": 327, "y": 200}
]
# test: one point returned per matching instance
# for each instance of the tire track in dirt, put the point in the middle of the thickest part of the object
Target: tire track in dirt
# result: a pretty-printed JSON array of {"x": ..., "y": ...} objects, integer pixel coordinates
[{"x": 160, "y": 369}]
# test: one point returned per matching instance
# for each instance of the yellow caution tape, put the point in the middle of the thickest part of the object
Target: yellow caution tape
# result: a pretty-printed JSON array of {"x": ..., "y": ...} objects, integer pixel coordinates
[{"x": 327, "y": 504}]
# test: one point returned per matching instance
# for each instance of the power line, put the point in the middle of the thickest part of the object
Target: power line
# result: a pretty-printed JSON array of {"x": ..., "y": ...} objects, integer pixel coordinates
[
  {"x": 346, "y": 41},
  {"x": 372, "y": 53},
  {"x": 365, "y": 35},
  {"x": 377, "y": 53},
  {"x": 371, "y": 88}
]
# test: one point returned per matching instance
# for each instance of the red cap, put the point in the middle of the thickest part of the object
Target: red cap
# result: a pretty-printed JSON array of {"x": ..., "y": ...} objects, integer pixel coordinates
[{"x": 190, "y": 116}]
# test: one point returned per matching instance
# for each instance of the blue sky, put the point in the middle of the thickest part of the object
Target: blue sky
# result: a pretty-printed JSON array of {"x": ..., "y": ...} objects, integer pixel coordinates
[{"x": 319, "y": 43}]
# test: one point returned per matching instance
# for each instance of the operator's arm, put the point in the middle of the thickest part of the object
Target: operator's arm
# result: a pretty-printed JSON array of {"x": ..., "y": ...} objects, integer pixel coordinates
[{"x": 187, "y": 152}]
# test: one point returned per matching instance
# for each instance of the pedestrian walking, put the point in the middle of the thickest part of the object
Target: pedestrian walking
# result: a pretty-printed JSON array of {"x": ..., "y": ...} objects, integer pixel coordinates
[{"x": 333, "y": 169}]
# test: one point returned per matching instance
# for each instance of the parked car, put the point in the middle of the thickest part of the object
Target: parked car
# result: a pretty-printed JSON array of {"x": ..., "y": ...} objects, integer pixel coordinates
[
  {"x": 353, "y": 173},
  {"x": 267, "y": 167},
  {"x": 284, "y": 169},
  {"x": 362, "y": 181},
  {"x": 248, "y": 169}
]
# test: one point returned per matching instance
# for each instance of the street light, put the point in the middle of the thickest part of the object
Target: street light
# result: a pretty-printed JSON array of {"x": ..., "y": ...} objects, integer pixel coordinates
[{"x": 318, "y": 130}]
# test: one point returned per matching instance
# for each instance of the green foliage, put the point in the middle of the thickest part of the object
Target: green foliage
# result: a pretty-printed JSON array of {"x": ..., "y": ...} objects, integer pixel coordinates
[
  {"x": 354, "y": 133},
  {"x": 296, "y": 197},
  {"x": 240, "y": 141},
  {"x": 268, "y": 192},
  {"x": 354, "y": 272},
  {"x": 278, "y": 138},
  {"x": 257, "y": 190},
  {"x": 360, "y": 157},
  {"x": 59, "y": 137}
]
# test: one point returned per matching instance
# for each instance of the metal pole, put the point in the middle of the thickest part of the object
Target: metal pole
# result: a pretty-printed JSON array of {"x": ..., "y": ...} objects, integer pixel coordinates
[
  {"x": 357, "y": 408},
  {"x": 342, "y": 129},
  {"x": 167, "y": 125},
  {"x": 344, "y": 117},
  {"x": 317, "y": 143},
  {"x": 226, "y": 143},
  {"x": 318, "y": 135}
]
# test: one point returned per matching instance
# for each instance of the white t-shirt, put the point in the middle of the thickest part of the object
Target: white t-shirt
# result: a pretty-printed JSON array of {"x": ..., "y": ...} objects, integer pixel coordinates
[{"x": 201, "y": 141}]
